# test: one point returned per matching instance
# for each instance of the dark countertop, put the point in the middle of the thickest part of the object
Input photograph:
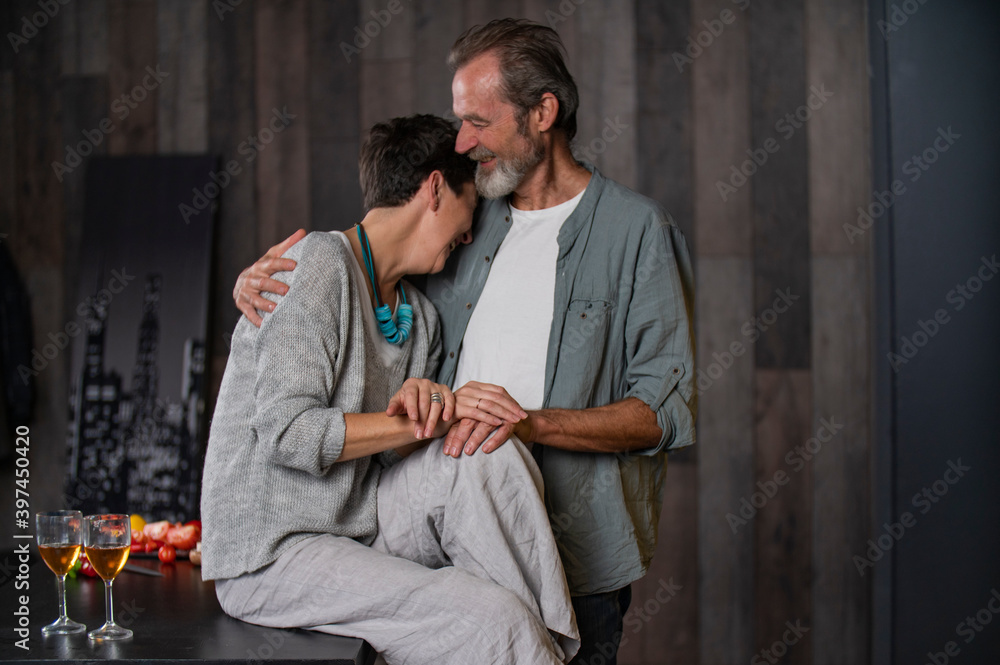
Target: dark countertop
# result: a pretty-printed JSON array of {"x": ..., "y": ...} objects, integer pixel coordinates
[{"x": 175, "y": 618}]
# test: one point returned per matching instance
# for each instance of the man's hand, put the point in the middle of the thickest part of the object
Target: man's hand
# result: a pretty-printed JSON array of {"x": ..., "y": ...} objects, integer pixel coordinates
[
  {"x": 257, "y": 279},
  {"x": 470, "y": 432},
  {"x": 468, "y": 435}
]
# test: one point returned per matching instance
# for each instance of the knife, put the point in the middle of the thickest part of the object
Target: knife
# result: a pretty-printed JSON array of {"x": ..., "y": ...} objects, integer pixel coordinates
[{"x": 142, "y": 571}]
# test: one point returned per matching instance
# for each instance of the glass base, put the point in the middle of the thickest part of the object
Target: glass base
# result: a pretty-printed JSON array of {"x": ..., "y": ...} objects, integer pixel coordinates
[
  {"x": 110, "y": 631},
  {"x": 63, "y": 627}
]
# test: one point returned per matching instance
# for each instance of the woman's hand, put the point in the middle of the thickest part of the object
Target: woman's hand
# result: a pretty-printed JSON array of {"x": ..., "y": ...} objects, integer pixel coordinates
[
  {"x": 429, "y": 416},
  {"x": 475, "y": 398},
  {"x": 257, "y": 279}
]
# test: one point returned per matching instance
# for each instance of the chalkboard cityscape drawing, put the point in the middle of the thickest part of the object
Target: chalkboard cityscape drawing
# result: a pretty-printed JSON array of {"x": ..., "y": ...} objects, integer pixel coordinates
[{"x": 137, "y": 399}]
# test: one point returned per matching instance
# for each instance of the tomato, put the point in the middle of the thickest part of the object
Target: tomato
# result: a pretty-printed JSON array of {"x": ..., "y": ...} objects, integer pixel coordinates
[
  {"x": 137, "y": 548},
  {"x": 150, "y": 546},
  {"x": 86, "y": 568},
  {"x": 157, "y": 530},
  {"x": 167, "y": 554},
  {"x": 194, "y": 523},
  {"x": 184, "y": 537}
]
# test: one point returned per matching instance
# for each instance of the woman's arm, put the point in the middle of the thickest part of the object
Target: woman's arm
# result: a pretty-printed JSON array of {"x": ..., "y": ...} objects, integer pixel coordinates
[{"x": 411, "y": 418}]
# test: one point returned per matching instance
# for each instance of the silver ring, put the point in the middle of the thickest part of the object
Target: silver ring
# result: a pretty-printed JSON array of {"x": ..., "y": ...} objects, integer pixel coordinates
[
  {"x": 436, "y": 398},
  {"x": 477, "y": 402}
]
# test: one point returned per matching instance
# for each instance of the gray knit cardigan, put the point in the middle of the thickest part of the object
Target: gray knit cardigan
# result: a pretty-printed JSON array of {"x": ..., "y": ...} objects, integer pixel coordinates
[{"x": 271, "y": 474}]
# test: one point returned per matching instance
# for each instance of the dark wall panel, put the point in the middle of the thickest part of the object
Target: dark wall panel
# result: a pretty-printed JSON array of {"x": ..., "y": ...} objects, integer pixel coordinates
[
  {"x": 231, "y": 119},
  {"x": 282, "y": 126},
  {"x": 784, "y": 523},
  {"x": 780, "y": 185},
  {"x": 84, "y": 103},
  {"x": 943, "y": 237},
  {"x": 334, "y": 132}
]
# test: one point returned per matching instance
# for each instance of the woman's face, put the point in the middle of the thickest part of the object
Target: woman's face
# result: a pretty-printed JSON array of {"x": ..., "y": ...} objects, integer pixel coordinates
[{"x": 452, "y": 224}]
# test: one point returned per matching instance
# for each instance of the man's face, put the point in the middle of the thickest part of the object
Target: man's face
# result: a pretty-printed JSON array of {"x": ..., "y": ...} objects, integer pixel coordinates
[{"x": 489, "y": 133}]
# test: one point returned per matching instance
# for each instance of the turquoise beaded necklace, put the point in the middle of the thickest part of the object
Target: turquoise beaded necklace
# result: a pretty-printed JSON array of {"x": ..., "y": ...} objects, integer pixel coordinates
[{"x": 395, "y": 333}]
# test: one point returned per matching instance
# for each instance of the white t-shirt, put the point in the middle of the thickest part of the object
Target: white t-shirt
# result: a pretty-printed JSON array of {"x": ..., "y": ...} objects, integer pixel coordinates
[{"x": 507, "y": 340}]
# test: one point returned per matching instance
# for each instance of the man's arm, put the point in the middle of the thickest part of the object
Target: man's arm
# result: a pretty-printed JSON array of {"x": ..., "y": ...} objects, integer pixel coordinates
[
  {"x": 257, "y": 278},
  {"x": 658, "y": 409},
  {"x": 614, "y": 428}
]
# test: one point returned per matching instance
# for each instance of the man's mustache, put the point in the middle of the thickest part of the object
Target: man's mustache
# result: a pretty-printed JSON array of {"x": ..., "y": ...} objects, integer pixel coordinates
[{"x": 481, "y": 154}]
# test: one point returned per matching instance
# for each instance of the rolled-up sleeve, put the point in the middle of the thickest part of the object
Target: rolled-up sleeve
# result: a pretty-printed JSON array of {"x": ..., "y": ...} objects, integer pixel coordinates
[{"x": 659, "y": 350}]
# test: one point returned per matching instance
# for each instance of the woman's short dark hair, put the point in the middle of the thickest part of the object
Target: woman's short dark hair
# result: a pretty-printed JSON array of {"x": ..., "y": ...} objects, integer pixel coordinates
[
  {"x": 531, "y": 64},
  {"x": 399, "y": 154}
]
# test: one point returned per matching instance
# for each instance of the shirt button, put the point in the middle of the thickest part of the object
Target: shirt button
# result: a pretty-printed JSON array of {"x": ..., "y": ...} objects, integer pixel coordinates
[
  {"x": 451, "y": 355},
  {"x": 583, "y": 316},
  {"x": 506, "y": 219},
  {"x": 468, "y": 305},
  {"x": 676, "y": 371},
  {"x": 487, "y": 259}
]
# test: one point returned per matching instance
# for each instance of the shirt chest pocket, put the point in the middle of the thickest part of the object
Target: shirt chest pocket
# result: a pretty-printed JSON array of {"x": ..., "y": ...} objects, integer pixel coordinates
[{"x": 586, "y": 328}]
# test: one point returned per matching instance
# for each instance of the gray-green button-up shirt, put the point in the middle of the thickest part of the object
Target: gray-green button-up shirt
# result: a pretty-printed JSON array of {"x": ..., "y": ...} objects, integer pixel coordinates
[{"x": 621, "y": 327}]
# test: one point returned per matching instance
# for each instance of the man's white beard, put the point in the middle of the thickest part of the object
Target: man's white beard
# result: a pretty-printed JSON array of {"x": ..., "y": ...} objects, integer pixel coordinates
[{"x": 507, "y": 174}]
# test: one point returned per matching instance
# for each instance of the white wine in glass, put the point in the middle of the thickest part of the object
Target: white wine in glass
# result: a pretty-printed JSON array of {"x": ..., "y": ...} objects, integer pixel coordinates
[
  {"x": 60, "y": 537},
  {"x": 106, "y": 541}
]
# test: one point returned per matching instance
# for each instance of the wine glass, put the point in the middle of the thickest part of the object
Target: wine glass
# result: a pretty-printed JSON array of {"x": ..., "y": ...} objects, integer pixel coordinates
[
  {"x": 60, "y": 536},
  {"x": 106, "y": 541}
]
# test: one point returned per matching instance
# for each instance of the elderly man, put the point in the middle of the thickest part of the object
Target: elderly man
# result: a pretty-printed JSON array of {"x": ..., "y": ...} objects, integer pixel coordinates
[{"x": 575, "y": 295}]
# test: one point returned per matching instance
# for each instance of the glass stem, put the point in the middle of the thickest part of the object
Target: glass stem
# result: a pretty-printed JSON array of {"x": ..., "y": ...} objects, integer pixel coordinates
[
  {"x": 107, "y": 596},
  {"x": 61, "y": 587}
]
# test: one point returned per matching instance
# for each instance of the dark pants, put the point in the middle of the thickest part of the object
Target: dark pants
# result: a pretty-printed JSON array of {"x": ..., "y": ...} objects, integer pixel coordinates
[{"x": 599, "y": 617}]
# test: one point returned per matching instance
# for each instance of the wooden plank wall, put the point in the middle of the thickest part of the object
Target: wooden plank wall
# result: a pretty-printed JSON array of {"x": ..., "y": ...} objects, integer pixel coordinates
[
  {"x": 778, "y": 228},
  {"x": 842, "y": 283},
  {"x": 678, "y": 129}
]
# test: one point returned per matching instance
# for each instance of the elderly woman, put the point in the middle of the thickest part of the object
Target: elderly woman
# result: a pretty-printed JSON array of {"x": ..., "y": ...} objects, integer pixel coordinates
[{"x": 324, "y": 506}]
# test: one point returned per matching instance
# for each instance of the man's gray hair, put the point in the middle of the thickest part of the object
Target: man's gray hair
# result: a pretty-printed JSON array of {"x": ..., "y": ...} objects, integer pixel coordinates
[{"x": 531, "y": 64}]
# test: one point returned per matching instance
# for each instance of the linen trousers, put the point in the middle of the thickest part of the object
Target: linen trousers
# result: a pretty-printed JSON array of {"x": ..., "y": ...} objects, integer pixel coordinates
[{"x": 464, "y": 569}]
